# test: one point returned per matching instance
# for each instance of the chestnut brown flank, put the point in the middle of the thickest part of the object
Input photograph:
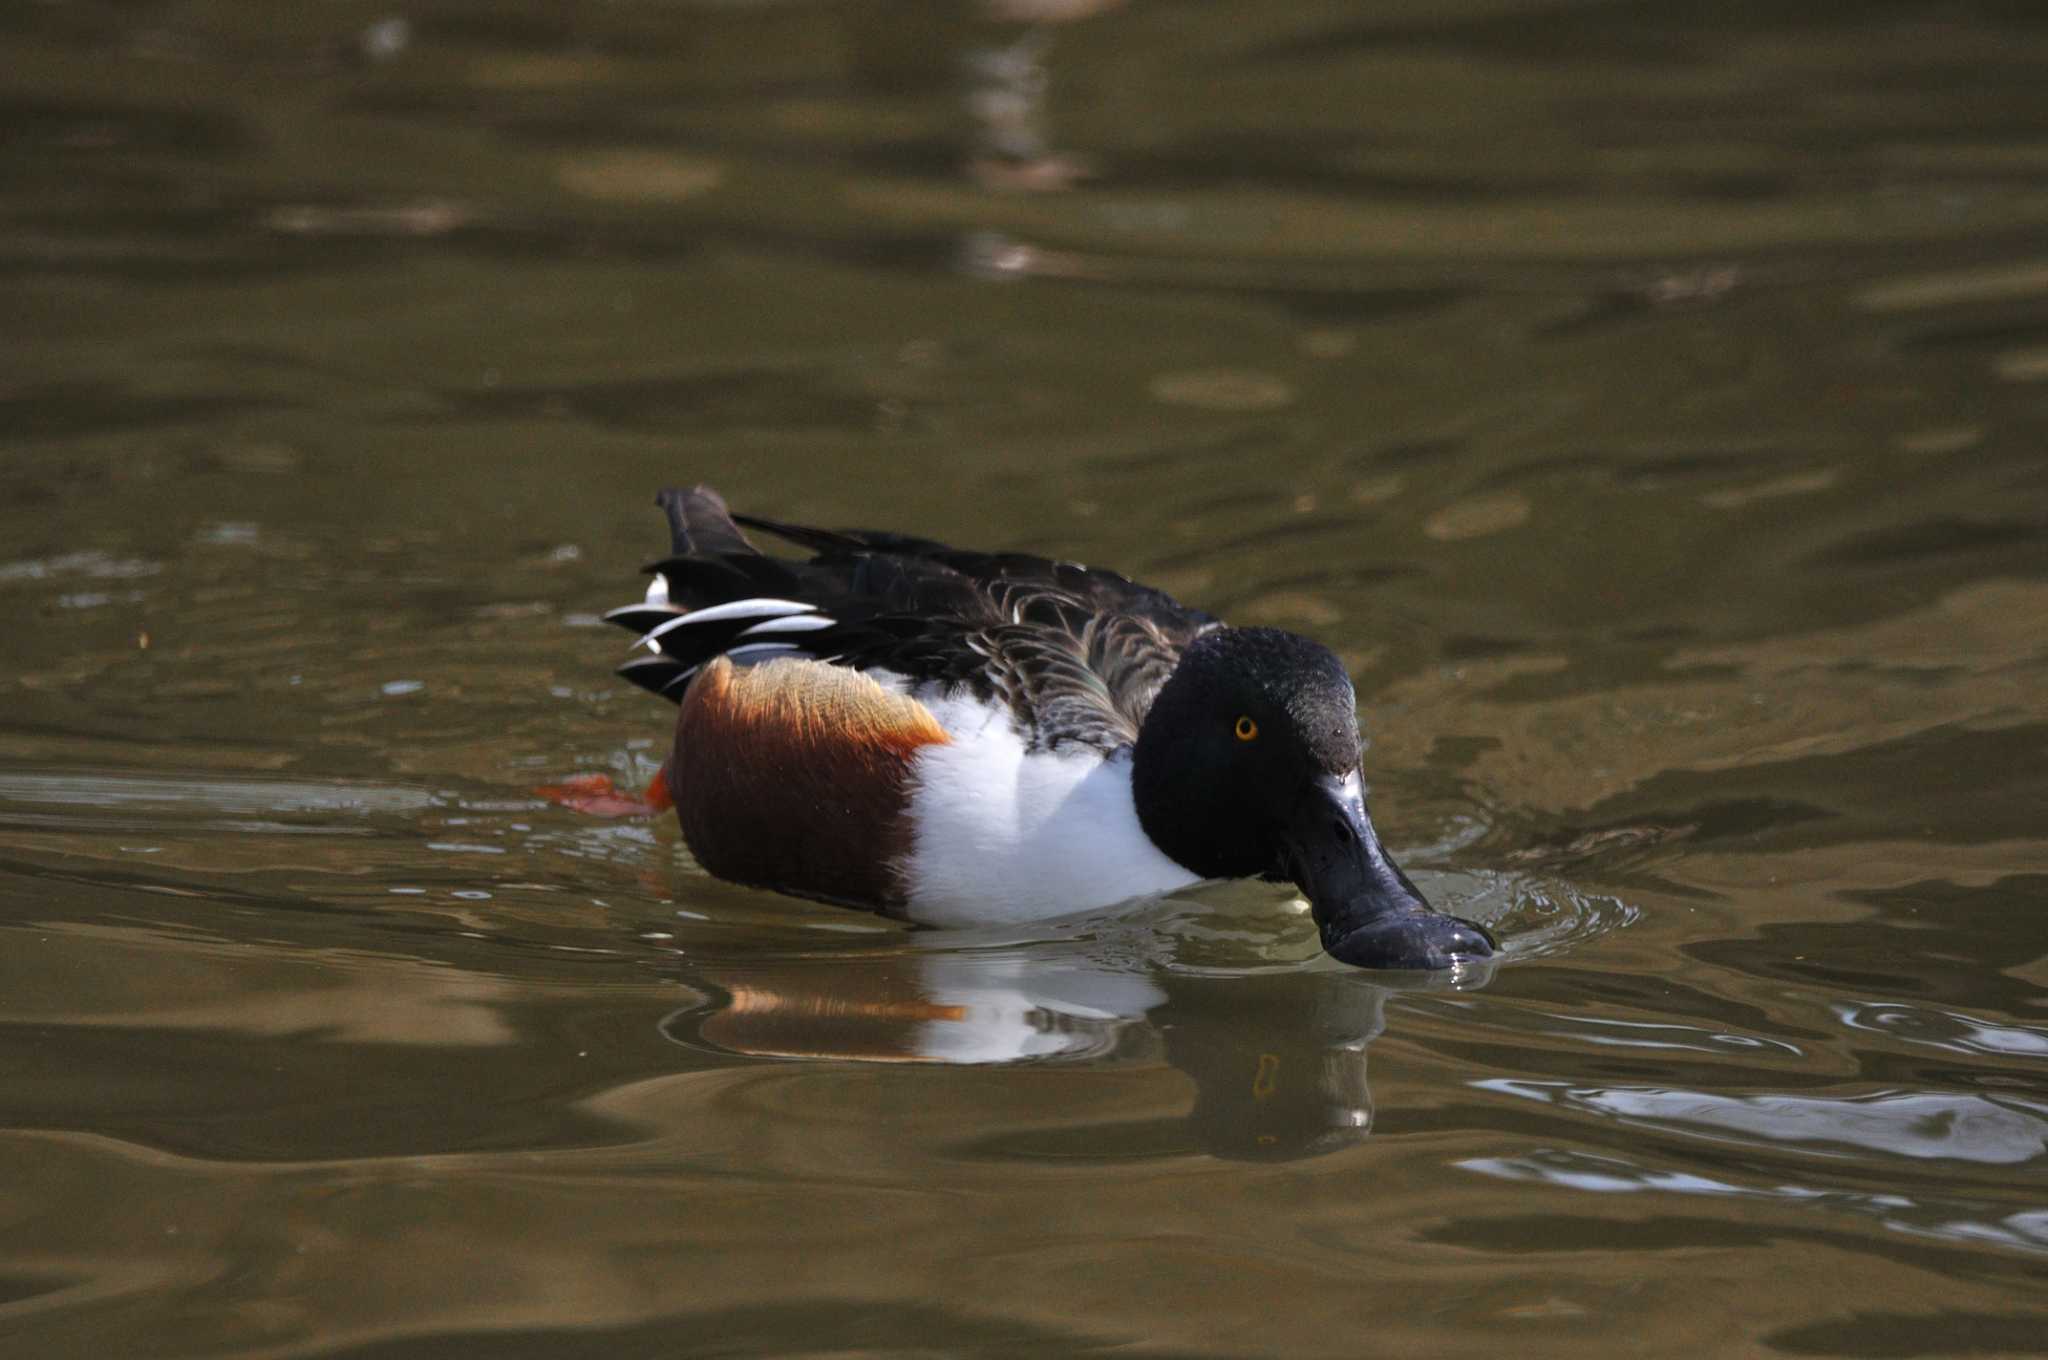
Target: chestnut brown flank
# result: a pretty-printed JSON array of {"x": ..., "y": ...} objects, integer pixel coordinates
[{"x": 794, "y": 775}]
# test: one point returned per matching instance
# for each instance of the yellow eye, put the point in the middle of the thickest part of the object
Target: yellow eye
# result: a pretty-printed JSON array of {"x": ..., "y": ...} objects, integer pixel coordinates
[{"x": 1246, "y": 729}]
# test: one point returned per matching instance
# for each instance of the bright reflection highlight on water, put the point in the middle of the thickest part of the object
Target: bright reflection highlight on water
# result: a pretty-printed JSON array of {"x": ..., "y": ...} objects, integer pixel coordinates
[
  {"x": 1945, "y": 1029},
  {"x": 1992, "y": 1130},
  {"x": 1956, "y": 1219}
]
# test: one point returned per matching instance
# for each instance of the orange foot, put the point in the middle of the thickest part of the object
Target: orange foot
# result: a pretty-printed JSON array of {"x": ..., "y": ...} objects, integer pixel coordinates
[{"x": 596, "y": 795}]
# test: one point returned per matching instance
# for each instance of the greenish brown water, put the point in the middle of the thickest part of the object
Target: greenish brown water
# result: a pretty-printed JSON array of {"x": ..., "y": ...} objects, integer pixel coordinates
[{"x": 1648, "y": 400}]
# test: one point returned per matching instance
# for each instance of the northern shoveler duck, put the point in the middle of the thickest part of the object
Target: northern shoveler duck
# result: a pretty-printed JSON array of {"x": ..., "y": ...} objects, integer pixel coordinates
[{"x": 961, "y": 737}]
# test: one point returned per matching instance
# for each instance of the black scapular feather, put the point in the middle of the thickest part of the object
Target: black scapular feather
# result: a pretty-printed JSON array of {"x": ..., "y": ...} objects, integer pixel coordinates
[{"x": 1076, "y": 653}]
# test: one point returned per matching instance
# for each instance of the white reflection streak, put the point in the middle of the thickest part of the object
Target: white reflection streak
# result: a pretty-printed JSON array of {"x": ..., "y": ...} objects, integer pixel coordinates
[
  {"x": 1952, "y": 1031},
  {"x": 2026, "y": 1231},
  {"x": 1702, "y": 1040},
  {"x": 1611, "y": 1176},
  {"x": 1926, "y": 1126},
  {"x": 213, "y": 793},
  {"x": 1949, "y": 1221}
]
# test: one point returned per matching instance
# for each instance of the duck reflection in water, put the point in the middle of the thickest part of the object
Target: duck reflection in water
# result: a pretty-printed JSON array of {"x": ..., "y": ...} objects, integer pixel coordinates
[{"x": 1277, "y": 1053}]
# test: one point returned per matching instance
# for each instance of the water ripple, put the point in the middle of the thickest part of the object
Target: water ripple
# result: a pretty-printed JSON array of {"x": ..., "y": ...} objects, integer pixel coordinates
[
  {"x": 1952, "y": 1031},
  {"x": 1534, "y": 917},
  {"x": 1946, "y": 1218},
  {"x": 1922, "y": 1125}
]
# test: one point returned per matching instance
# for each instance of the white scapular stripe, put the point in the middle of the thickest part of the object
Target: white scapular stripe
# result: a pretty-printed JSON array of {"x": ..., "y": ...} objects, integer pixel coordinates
[
  {"x": 734, "y": 609},
  {"x": 611, "y": 615},
  {"x": 791, "y": 623},
  {"x": 657, "y": 589}
]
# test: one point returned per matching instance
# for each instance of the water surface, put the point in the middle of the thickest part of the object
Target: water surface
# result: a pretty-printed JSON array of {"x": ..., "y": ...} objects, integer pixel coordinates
[{"x": 1646, "y": 400}]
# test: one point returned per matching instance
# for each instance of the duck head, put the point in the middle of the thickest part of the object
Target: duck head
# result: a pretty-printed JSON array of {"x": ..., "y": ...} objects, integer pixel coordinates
[{"x": 1247, "y": 765}]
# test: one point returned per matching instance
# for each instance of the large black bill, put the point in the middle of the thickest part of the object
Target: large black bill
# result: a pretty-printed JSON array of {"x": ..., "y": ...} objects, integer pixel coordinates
[{"x": 1367, "y": 910}]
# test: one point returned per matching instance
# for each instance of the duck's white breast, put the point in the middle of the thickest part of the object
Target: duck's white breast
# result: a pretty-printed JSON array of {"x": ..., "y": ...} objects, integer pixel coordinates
[{"x": 1000, "y": 833}]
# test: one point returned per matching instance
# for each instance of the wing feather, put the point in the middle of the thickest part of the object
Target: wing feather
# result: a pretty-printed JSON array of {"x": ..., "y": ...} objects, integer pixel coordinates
[{"x": 1076, "y": 653}]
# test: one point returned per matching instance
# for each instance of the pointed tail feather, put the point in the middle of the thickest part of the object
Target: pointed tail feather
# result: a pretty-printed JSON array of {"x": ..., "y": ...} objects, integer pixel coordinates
[{"x": 699, "y": 523}]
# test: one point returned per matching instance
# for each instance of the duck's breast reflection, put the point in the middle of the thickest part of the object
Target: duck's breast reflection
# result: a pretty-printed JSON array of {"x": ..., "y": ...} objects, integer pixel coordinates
[{"x": 965, "y": 1008}]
